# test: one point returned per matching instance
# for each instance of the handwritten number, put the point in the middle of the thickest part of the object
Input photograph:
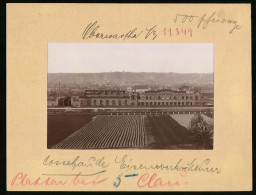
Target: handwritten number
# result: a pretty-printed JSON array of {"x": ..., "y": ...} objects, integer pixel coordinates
[
  {"x": 190, "y": 31},
  {"x": 184, "y": 31},
  {"x": 177, "y": 31},
  {"x": 116, "y": 184},
  {"x": 164, "y": 31}
]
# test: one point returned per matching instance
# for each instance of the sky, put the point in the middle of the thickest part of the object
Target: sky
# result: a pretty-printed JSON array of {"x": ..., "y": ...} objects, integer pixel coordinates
[{"x": 130, "y": 57}]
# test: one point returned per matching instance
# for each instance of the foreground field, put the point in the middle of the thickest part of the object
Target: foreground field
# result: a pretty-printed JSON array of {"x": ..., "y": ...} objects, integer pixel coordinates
[
  {"x": 60, "y": 126},
  {"x": 107, "y": 132},
  {"x": 116, "y": 131},
  {"x": 163, "y": 132}
]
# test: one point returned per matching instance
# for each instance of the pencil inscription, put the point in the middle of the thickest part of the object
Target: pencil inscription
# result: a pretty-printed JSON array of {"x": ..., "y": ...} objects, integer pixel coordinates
[
  {"x": 93, "y": 30},
  {"x": 206, "y": 19}
]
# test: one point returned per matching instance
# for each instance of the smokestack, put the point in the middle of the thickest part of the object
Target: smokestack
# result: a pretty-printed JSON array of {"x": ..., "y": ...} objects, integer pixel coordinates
[{"x": 59, "y": 89}]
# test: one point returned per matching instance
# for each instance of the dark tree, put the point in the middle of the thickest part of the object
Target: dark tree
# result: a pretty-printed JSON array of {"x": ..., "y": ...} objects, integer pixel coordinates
[
  {"x": 202, "y": 132},
  {"x": 67, "y": 101}
]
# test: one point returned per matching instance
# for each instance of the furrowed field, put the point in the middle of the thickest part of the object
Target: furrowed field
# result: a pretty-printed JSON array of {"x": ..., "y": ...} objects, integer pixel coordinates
[
  {"x": 108, "y": 132},
  {"x": 141, "y": 131}
]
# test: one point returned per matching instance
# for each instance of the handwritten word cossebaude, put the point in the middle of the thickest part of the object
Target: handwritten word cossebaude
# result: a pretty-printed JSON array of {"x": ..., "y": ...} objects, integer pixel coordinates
[{"x": 92, "y": 161}]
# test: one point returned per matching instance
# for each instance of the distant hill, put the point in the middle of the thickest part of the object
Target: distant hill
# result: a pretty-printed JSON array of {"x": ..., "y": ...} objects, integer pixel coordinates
[{"x": 133, "y": 77}]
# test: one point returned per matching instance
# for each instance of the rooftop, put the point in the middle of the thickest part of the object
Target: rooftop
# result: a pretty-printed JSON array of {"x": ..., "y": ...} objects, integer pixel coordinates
[{"x": 141, "y": 87}]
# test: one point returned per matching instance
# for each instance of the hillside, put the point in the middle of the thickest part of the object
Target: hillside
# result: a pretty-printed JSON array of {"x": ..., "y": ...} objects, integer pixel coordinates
[{"x": 132, "y": 77}]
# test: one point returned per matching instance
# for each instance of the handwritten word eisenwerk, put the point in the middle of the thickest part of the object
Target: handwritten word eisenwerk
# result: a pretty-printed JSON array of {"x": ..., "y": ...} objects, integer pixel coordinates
[
  {"x": 93, "y": 30},
  {"x": 126, "y": 164},
  {"x": 206, "y": 19},
  {"x": 76, "y": 162}
]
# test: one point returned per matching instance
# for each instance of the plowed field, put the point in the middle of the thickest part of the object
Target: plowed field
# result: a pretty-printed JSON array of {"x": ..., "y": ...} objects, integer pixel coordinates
[
  {"x": 117, "y": 132},
  {"x": 107, "y": 132}
]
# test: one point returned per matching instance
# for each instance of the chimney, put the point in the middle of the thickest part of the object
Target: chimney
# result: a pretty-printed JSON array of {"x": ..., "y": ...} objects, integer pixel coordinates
[{"x": 59, "y": 89}]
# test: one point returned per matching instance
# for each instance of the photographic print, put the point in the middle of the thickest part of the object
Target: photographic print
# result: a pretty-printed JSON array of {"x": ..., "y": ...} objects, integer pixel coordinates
[{"x": 130, "y": 96}]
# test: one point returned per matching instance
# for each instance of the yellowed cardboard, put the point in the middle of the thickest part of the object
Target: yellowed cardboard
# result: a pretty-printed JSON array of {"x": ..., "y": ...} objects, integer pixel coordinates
[{"x": 30, "y": 27}]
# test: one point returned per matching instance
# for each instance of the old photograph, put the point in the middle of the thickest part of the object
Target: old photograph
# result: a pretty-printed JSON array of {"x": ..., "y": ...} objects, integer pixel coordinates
[{"x": 130, "y": 96}]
